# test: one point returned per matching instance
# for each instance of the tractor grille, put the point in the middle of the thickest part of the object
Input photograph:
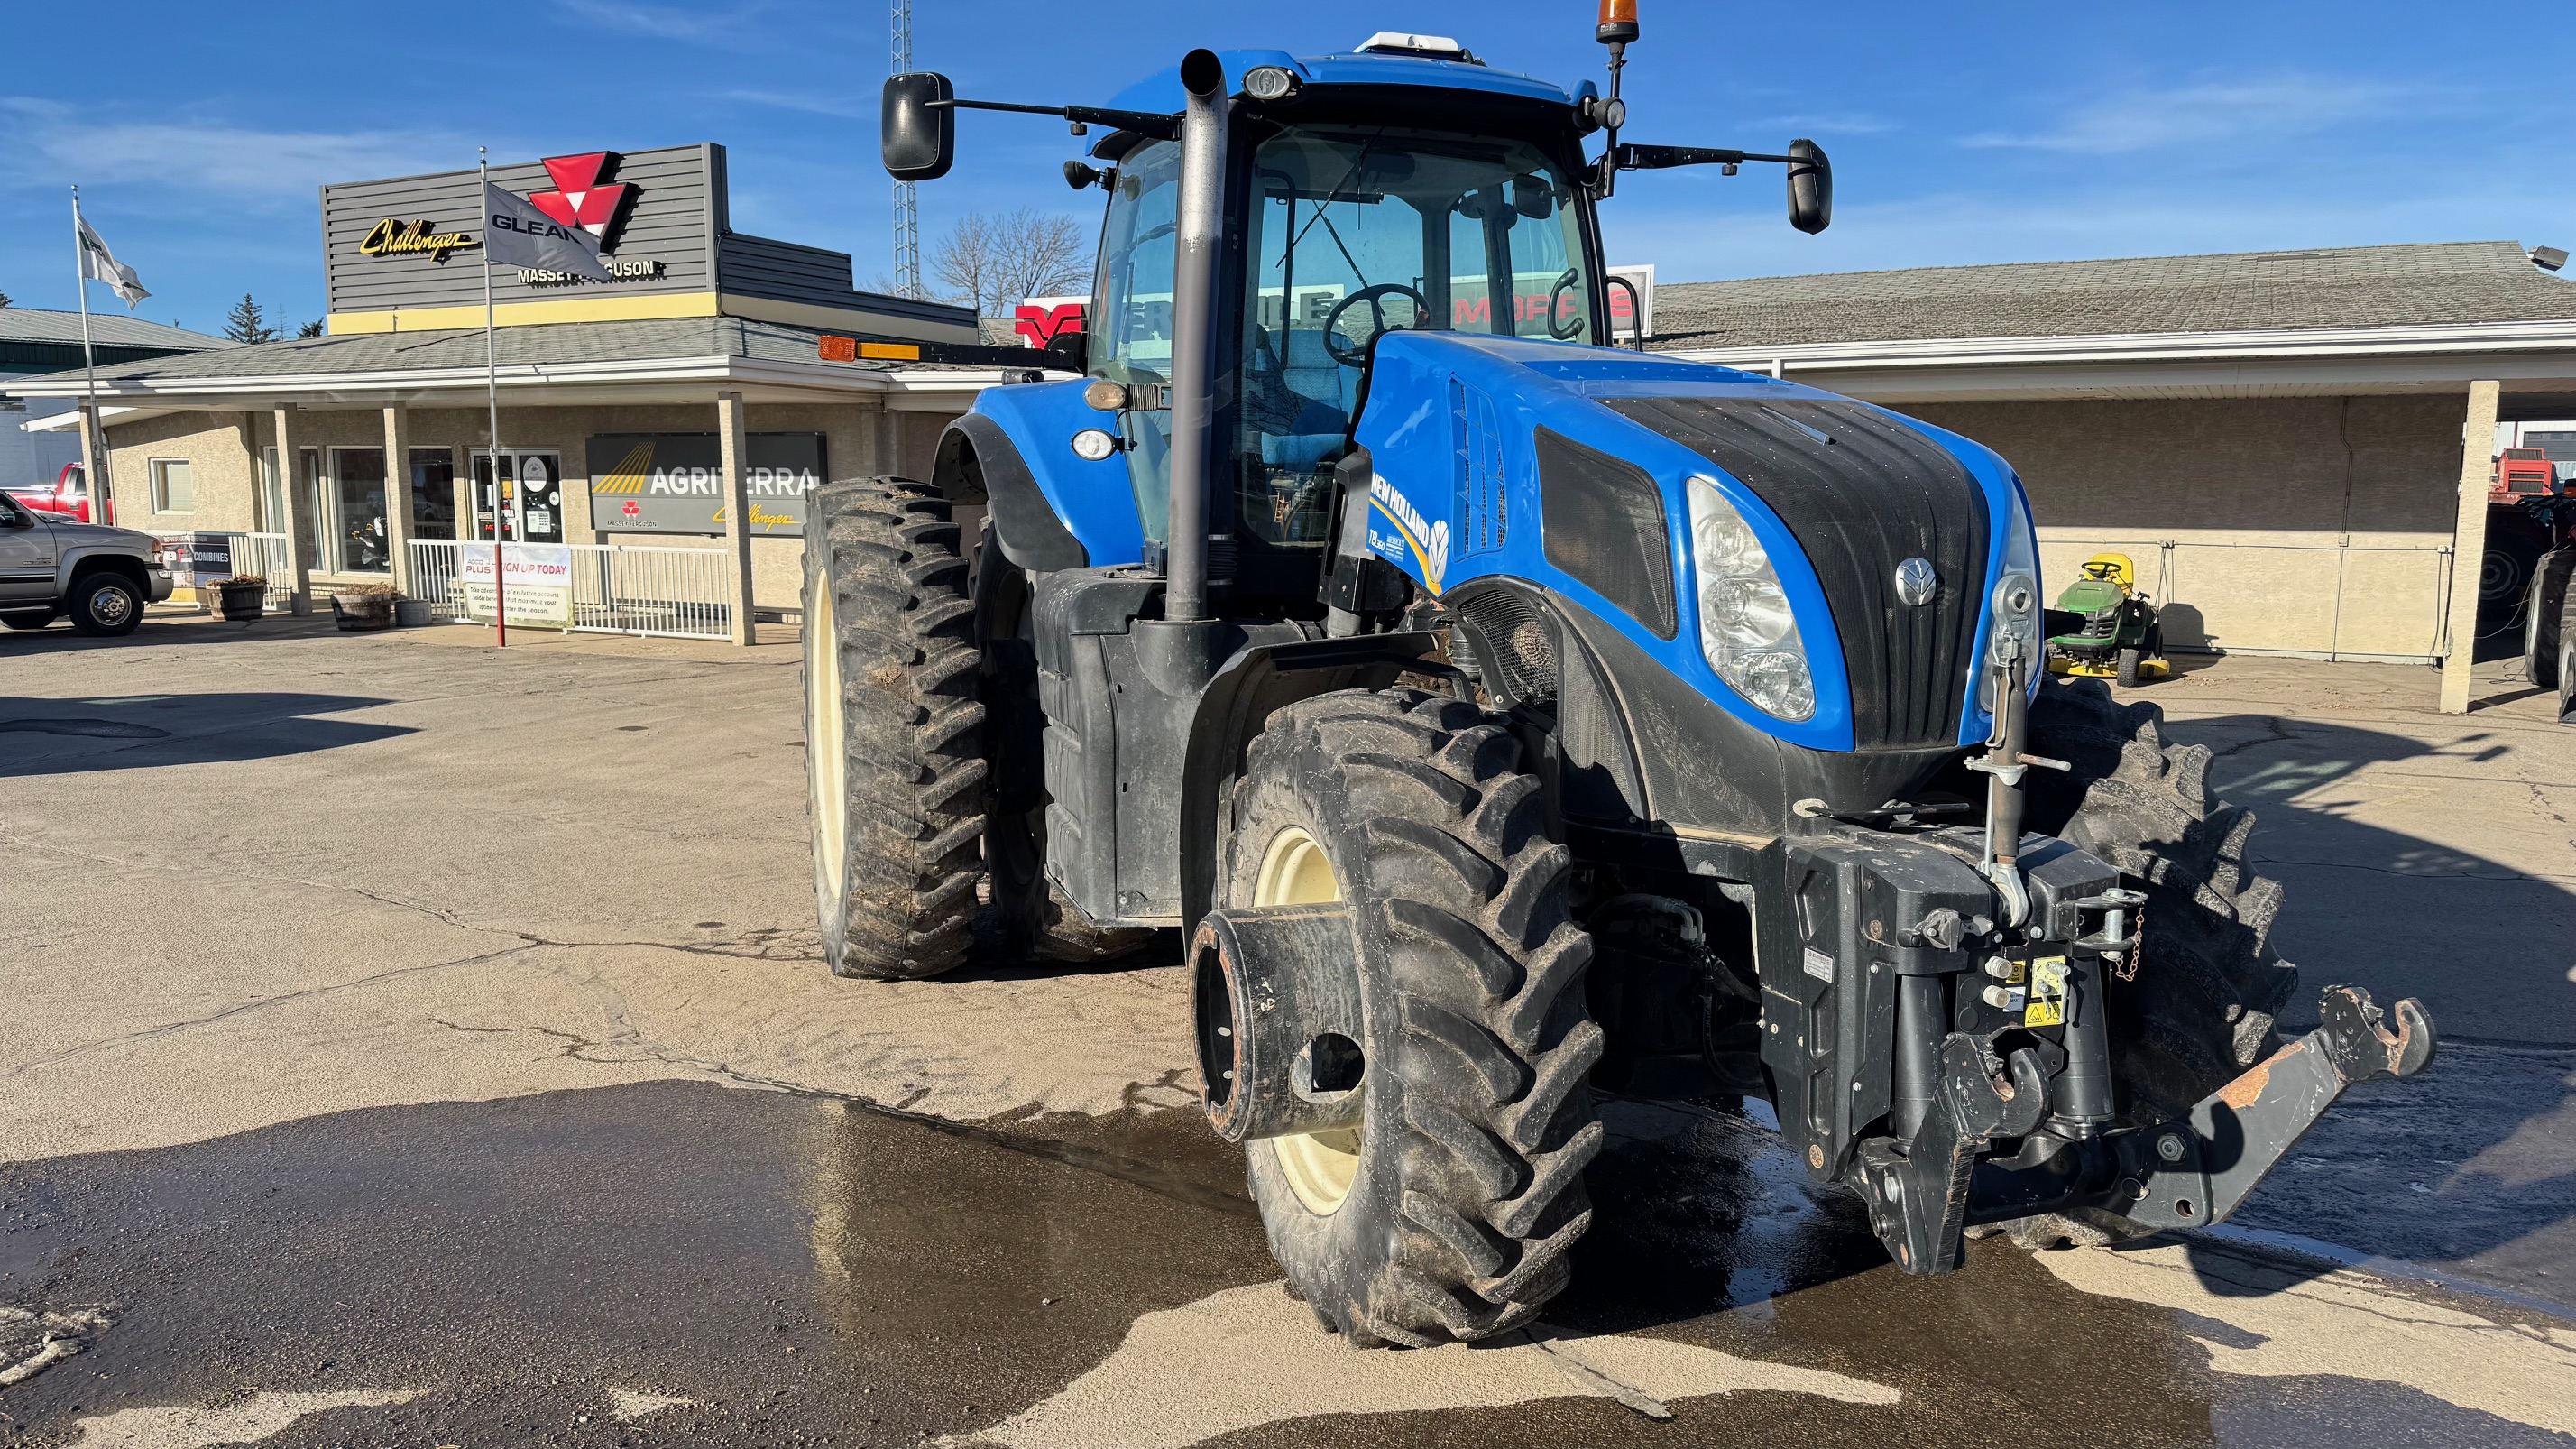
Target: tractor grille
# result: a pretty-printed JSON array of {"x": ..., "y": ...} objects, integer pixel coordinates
[{"x": 1862, "y": 493}]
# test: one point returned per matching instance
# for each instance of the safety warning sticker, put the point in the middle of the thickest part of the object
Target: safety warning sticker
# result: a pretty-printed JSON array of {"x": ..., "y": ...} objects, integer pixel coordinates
[{"x": 2047, "y": 992}]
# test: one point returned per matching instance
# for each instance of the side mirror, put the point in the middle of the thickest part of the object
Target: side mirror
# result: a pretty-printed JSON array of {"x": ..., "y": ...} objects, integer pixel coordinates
[
  {"x": 1811, "y": 187},
  {"x": 918, "y": 138}
]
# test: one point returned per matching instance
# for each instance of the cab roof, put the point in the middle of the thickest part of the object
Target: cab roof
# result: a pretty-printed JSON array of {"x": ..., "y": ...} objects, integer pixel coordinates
[{"x": 1161, "y": 92}]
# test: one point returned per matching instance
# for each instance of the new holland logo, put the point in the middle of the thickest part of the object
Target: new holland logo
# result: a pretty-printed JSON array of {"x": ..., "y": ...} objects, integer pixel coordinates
[
  {"x": 1428, "y": 542},
  {"x": 580, "y": 198}
]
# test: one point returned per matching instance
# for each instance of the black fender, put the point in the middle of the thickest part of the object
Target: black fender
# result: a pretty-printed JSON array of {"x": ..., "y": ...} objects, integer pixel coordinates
[
  {"x": 976, "y": 456},
  {"x": 1232, "y": 709}
]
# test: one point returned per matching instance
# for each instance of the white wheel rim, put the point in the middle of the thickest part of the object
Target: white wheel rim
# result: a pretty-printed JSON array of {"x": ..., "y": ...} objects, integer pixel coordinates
[
  {"x": 1320, "y": 1166},
  {"x": 826, "y": 744}
]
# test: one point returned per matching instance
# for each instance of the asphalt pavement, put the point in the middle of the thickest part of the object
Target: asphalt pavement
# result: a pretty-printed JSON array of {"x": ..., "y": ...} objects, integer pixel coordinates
[{"x": 409, "y": 1043}]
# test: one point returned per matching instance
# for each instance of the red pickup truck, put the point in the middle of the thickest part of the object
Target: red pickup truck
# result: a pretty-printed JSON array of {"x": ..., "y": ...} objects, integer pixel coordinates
[{"x": 66, "y": 497}]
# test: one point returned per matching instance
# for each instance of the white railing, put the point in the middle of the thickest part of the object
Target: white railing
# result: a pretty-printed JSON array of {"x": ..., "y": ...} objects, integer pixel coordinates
[
  {"x": 653, "y": 589},
  {"x": 434, "y": 573},
  {"x": 265, "y": 555},
  {"x": 618, "y": 588}
]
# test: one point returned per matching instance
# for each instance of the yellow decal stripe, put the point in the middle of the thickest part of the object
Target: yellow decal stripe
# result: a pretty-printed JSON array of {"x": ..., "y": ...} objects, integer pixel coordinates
[{"x": 1421, "y": 558}]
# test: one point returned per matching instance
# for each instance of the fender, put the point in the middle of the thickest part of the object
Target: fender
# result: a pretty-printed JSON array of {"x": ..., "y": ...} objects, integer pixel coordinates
[
  {"x": 1093, "y": 504},
  {"x": 104, "y": 554},
  {"x": 1232, "y": 709},
  {"x": 976, "y": 456}
]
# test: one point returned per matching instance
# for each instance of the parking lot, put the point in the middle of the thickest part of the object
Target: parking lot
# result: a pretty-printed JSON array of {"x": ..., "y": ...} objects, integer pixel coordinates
[{"x": 412, "y": 1043}]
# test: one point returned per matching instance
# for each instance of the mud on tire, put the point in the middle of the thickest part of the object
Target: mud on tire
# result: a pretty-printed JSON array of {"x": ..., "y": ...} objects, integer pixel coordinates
[
  {"x": 2201, "y": 1008},
  {"x": 1478, "y": 1122},
  {"x": 890, "y": 675}
]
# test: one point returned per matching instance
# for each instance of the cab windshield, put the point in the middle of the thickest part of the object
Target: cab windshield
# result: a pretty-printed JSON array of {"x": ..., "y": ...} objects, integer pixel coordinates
[
  {"x": 1354, "y": 231},
  {"x": 1367, "y": 229}
]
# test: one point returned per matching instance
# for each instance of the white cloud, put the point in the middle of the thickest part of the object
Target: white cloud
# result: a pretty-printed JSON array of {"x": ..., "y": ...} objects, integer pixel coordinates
[
  {"x": 801, "y": 103},
  {"x": 728, "y": 25},
  {"x": 47, "y": 143},
  {"x": 2208, "y": 112}
]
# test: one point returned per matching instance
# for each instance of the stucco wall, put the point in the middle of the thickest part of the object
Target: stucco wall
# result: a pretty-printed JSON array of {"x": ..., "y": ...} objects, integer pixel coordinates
[
  {"x": 2305, "y": 524},
  {"x": 219, "y": 463}
]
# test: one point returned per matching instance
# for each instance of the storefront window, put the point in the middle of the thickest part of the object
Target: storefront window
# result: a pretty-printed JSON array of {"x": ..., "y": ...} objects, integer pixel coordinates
[
  {"x": 361, "y": 541},
  {"x": 433, "y": 493},
  {"x": 531, "y": 493}
]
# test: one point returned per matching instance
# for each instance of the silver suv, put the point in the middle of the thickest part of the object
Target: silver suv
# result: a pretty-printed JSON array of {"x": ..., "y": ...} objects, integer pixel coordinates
[{"x": 51, "y": 567}]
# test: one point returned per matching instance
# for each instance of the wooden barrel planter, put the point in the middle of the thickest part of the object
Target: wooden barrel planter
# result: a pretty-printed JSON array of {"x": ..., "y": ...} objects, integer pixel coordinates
[
  {"x": 363, "y": 608},
  {"x": 241, "y": 600}
]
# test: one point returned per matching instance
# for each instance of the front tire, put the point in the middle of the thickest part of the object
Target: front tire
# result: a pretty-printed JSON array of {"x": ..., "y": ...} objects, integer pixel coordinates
[
  {"x": 1449, "y": 1212},
  {"x": 893, "y": 756},
  {"x": 2128, "y": 668},
  {"x": 106, "y": 605}
]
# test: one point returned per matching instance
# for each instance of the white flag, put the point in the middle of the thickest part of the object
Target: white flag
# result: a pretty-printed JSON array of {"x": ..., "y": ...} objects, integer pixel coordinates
[
  {"x": 98, "y": 264},
  {"x": 516, "y": 234}
]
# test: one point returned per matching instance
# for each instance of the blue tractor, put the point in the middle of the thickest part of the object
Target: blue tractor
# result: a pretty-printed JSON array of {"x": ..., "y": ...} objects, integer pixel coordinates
[{"x": 1504, "y": 717}]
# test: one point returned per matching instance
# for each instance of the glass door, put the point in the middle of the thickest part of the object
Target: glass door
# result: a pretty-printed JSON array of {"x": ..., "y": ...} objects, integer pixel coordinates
[{"x": 531, "y": 495}]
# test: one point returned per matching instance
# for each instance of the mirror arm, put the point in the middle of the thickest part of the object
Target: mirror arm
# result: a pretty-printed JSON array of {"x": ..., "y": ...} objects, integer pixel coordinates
[
  {"x": 1658, "y": 158},
  {"x": 1144, "y": 123}
]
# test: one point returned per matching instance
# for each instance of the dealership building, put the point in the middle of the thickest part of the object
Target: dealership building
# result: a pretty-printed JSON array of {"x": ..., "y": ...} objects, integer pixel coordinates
[{"x": 633, "y": 410}]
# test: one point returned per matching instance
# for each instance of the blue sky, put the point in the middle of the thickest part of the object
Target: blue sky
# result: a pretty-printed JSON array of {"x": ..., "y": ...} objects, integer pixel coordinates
[{"x": 199, "y": 132}]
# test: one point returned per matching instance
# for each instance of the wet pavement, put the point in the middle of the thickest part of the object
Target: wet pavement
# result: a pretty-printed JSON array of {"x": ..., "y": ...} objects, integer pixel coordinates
[{"x": 381, "y": 1146}]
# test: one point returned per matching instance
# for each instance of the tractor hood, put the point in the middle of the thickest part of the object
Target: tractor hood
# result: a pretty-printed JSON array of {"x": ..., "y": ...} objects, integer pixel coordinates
[
  {"x": 1473, "y": 438},
  {"x": 2091, "y": 596}
]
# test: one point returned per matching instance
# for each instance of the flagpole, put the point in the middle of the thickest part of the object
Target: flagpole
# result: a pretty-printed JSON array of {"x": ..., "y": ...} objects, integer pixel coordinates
[
  {"x": 101, "y": 506},
  {"x": 492, "y": 394}
]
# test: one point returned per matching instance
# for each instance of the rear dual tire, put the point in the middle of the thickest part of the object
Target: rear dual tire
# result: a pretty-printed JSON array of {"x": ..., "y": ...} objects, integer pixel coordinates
[
  {"x": 903, "y": 724},
  {"x": 1448, "y": 1214}
]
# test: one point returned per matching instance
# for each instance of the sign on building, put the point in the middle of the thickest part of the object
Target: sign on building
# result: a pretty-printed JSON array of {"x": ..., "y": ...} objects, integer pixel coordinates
[
  {"x": 1041, "y": 320},
  {"x": 674, "y": 482},
  {"x": 534, "y": 585}
]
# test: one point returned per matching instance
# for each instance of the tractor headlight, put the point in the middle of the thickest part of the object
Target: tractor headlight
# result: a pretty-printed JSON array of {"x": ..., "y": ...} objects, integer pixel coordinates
[
  {"x": 2015, "y": 600},
  {"x": 1746, "y": 627}
]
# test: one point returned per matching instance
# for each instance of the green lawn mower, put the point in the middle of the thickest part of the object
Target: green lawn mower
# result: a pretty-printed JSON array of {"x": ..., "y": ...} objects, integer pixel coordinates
[{"x": 2103, "y": 628}]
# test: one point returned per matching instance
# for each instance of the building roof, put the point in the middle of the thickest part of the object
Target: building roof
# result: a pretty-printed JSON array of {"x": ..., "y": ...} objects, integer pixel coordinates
[
  {"x": 106, "y": 329},
  {"x": 514, "y": 347},
  {"x": 2337, "y": 287}
]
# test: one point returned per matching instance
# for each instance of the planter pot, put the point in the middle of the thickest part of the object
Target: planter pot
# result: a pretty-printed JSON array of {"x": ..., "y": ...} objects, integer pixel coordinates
[
  {"x": 362, "y": 613},
  {"x": 242, "y": 602},
  {"x": 412, "y": 613}
]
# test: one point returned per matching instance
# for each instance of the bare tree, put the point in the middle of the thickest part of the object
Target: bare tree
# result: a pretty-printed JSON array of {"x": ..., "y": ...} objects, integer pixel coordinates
[{"x": 990, "y": 262}]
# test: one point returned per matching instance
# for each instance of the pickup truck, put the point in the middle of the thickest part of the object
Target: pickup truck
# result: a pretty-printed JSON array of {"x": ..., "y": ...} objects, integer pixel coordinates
[
  {"x": 51, "y": 567},
  {"x": 66, "y": 497}
]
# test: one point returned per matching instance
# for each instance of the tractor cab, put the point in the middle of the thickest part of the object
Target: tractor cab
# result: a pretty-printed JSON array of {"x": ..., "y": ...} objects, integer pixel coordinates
[{"x": 1399, "y": 187}]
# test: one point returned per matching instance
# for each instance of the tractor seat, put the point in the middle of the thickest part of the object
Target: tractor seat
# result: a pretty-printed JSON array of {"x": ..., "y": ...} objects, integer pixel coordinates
[{"x": 1298, "y": 405}]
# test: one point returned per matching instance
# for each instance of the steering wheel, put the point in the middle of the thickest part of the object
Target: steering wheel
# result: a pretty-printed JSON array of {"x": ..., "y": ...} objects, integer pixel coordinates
[
  {"x": 2101, "y": 572},
  {"x": 1357, "y": 356},
  {"x": 1572, "y": 326}
]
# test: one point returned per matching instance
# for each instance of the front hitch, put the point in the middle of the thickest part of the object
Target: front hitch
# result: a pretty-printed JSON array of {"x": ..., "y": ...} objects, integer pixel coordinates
[{"x": 2198, "y": 1170}]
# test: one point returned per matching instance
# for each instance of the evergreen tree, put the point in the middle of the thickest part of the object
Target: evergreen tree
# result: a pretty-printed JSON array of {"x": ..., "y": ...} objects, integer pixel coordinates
[
  {"x": 246, "y": 323},
  {"x": 310, "y": 329}
]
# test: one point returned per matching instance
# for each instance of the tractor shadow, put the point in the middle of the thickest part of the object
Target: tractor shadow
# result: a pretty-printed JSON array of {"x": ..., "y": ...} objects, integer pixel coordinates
[{"x": 2465, "y": 1168}]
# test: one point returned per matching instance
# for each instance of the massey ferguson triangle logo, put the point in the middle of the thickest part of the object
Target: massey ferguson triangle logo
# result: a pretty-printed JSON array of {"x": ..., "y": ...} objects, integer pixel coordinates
[{"x": 580, "y": 198}]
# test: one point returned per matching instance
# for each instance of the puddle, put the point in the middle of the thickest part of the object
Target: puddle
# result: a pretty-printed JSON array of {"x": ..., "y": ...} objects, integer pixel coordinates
[{"x": 682, "y": 1263}]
